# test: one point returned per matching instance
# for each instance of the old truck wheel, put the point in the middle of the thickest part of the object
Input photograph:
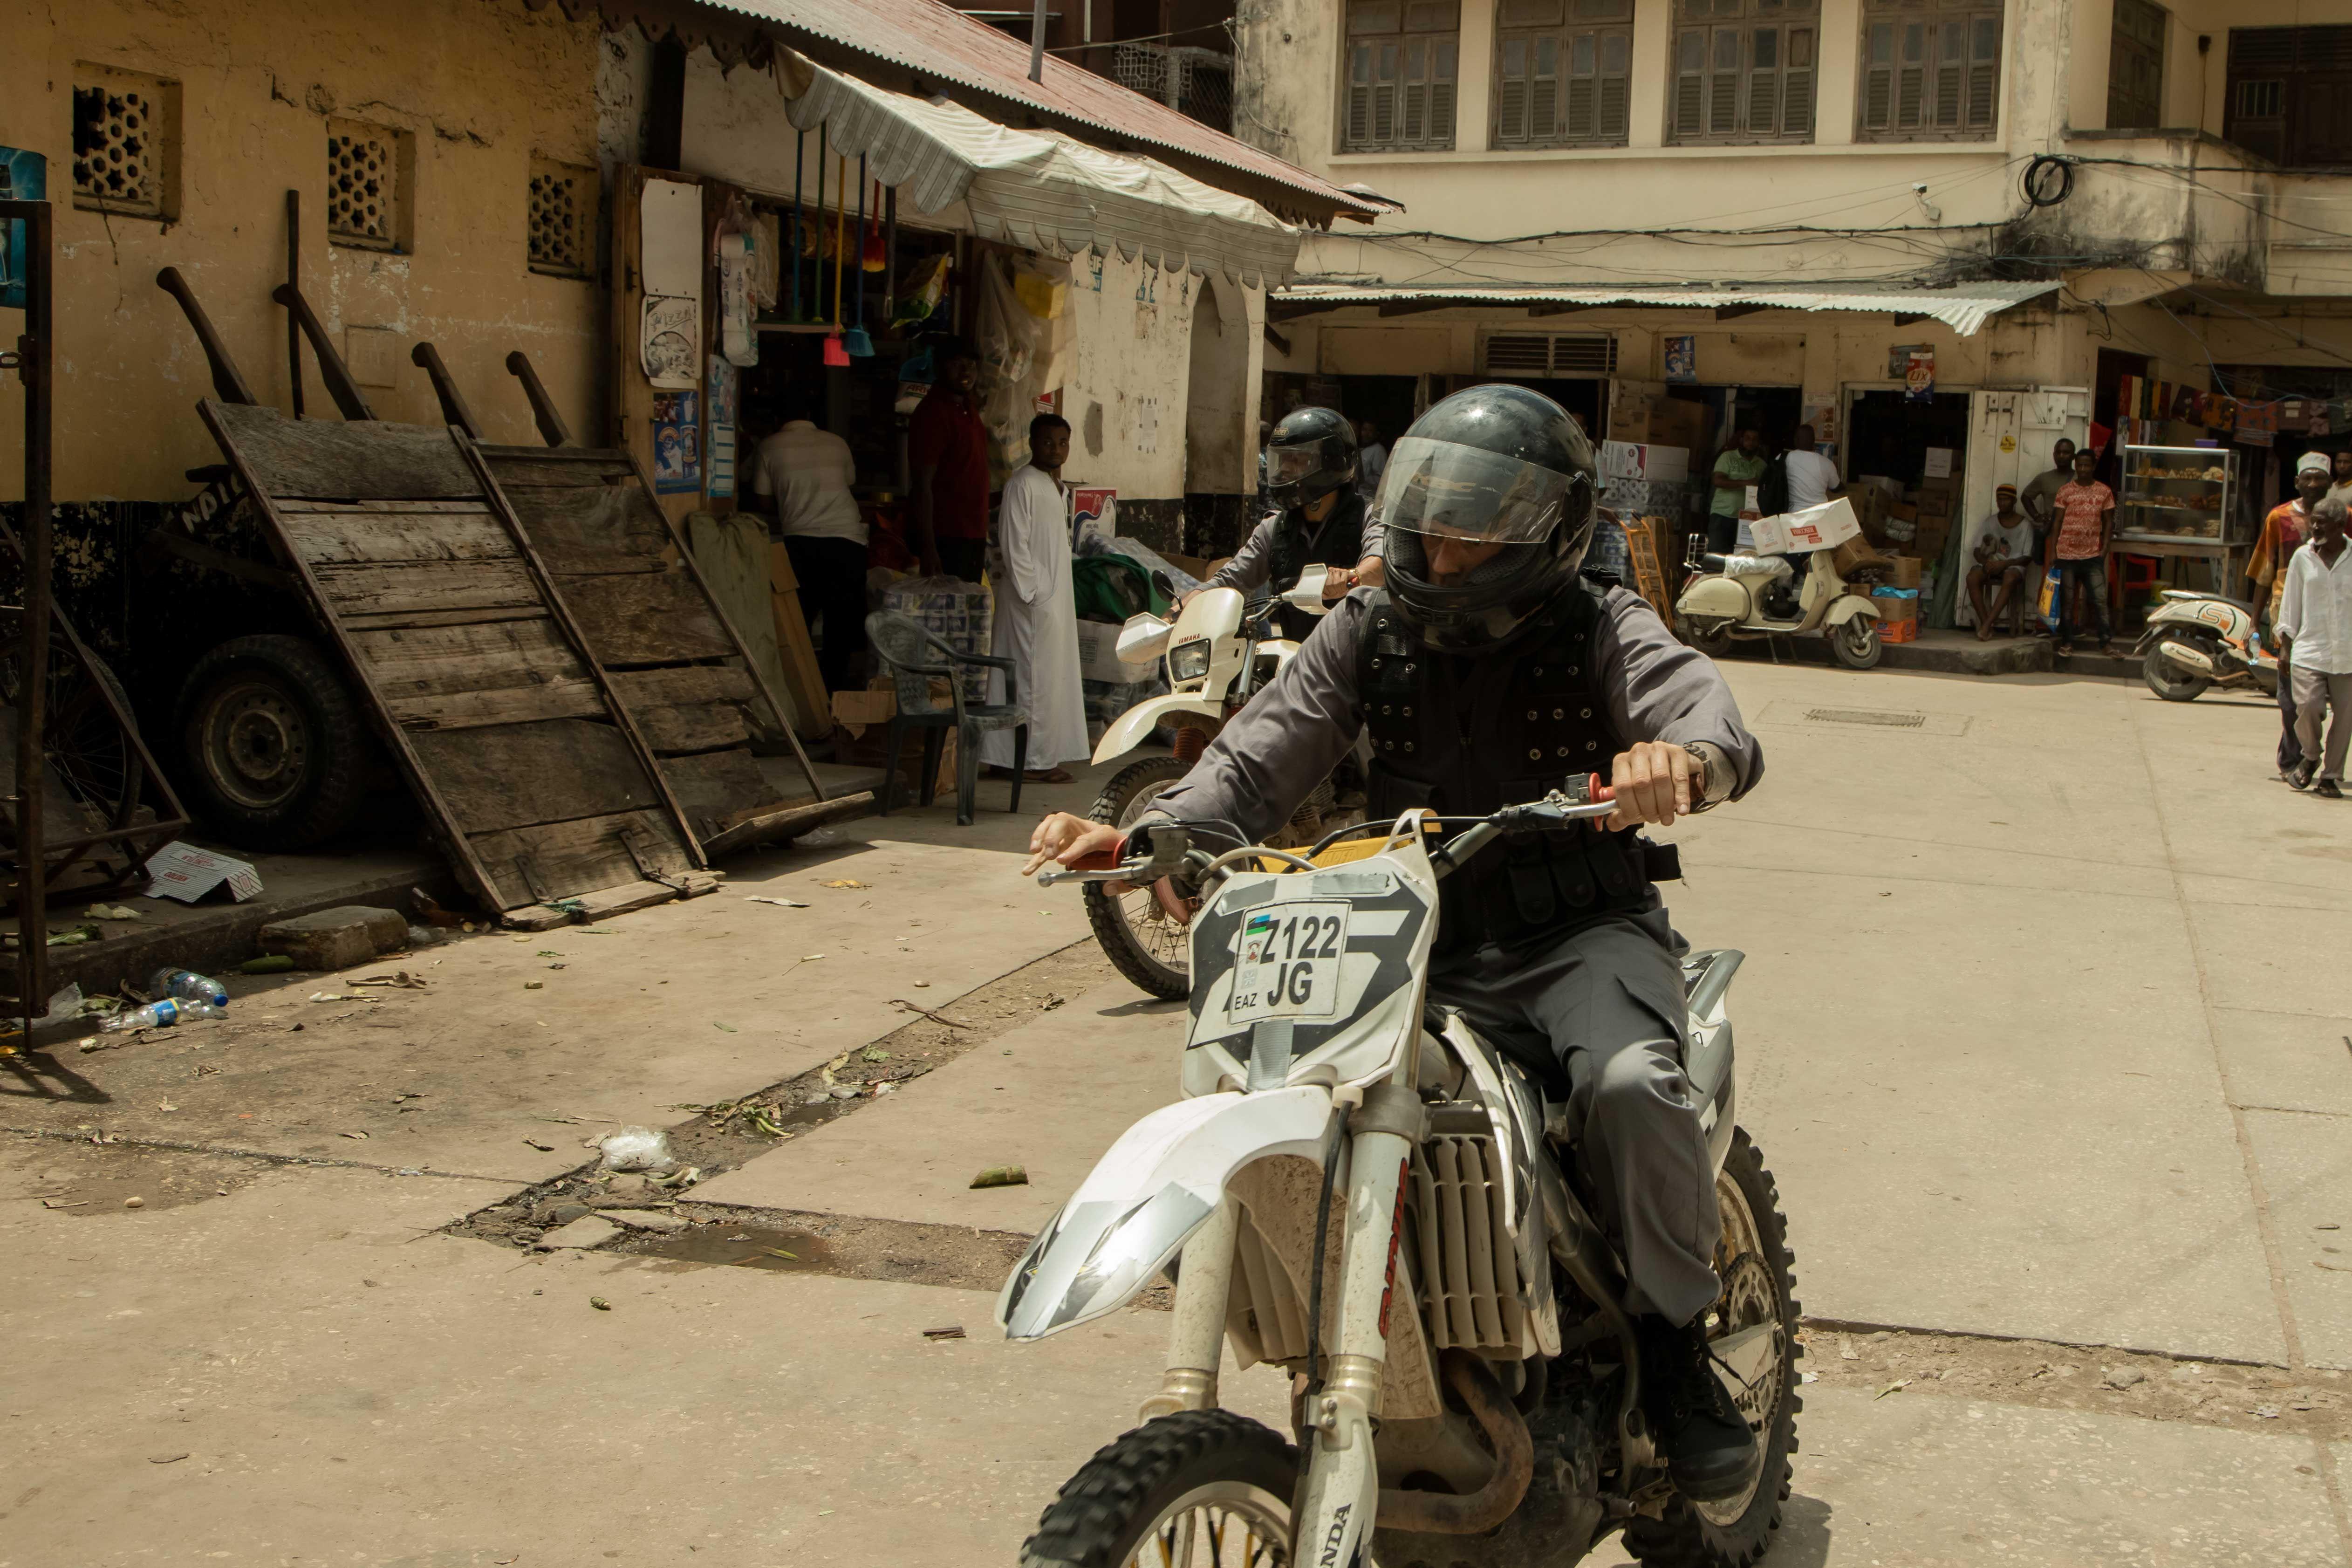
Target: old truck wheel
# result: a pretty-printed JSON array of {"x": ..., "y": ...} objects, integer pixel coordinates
[{"x": 273, "y": 743}]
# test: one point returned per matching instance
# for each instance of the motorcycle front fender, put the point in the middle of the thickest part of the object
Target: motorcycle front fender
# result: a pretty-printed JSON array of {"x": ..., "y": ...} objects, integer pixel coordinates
[
  {"x": 1134, "y": 726},
  {"x": 1144, "y": 1199},
  {"x": 1849, "y": 605}
]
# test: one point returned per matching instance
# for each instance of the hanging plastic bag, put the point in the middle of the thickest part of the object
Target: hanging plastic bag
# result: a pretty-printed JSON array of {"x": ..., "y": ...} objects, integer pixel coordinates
[{"x": 921, "y": 291}]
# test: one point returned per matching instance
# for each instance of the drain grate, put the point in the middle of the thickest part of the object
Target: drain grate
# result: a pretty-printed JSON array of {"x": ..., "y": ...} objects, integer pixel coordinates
[{"x": 1865, "y": 716}]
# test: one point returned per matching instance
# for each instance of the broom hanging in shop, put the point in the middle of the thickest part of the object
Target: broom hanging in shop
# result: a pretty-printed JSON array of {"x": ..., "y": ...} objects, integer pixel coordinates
[
  {"x": 800, "y": 155},
  {"x": 836, "y": 352},
  {"x": 876, "y": 259},
  {"x": 859, "y": 345}
]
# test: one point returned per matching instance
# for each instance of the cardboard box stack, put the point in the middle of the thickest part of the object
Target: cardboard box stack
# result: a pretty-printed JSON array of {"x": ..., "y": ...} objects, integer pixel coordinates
[{"x": 1898, "y": 613}]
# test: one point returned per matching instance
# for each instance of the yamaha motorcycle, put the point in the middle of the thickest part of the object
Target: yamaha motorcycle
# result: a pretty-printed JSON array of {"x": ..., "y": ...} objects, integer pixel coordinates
[{"x": 1359, "y": 1191}]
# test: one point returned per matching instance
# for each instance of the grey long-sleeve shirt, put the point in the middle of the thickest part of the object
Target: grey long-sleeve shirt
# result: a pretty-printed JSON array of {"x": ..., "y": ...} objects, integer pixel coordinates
[
  {"x": 1253, "y": 563},
  {"x": 1279, "y": 747}
]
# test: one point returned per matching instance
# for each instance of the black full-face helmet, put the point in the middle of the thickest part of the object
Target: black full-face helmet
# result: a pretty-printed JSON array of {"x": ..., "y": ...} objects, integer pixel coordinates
[
  {"x": 1495, "y": 465},
  {"x": 1311, "y": 453}
]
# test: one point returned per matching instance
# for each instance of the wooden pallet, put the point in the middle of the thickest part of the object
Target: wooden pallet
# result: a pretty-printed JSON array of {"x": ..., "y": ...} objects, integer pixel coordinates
[
  {"x": 678, "y": 661},
  {"x": 532, "y": 768}
]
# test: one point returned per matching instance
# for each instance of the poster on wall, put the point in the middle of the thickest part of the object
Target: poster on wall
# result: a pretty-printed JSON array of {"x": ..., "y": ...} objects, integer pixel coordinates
[
  {"x": 1093, "y": 509},
  {"x": 669, "y": 333},
  {"x": 1919, "y": 376},
  {"x": 23, "y": 177},
  {"x": 723, "y": 383},
  {"x": 1682, "y": 359},
  {"x": 678, "y": 443},
  {"x": 669, "y": 254}
]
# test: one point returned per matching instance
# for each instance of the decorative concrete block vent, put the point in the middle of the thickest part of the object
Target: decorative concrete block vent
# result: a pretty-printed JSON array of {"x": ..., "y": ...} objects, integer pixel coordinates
[{"x": 126, "y": 135}]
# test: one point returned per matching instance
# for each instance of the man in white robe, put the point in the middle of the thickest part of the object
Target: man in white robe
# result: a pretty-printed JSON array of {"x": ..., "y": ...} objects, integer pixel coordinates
[{"x": 1037, "y": 613}]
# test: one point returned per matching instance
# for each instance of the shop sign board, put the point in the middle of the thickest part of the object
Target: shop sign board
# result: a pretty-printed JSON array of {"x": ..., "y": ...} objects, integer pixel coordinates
[
  {"x": 1682, "y": 358},
  {"x": 23, "y": 177},
  {"x": 1920, "y": 375}
]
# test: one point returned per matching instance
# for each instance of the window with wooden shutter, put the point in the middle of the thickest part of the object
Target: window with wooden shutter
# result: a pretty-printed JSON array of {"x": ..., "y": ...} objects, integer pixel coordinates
[
  {"x": 1401, "y": 66},
  {"x": 2290, "y": 94},
  {"x": 1930, "y": 70},
  {"x": 1744, "y": 70},
  {"x": 1562, "y": 72},
  {"x": 2136, "y": 66}
]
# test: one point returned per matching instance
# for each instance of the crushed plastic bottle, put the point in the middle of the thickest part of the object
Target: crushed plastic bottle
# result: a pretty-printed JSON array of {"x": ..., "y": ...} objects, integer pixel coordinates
[
  {"x": 158, "y": 1015},
  {"x": 188, "y": 985}
]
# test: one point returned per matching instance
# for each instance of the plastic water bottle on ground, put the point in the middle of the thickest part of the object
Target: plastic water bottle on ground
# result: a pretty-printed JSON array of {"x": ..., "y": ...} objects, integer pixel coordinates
[
  {"x": 188, "y": 985},
  {"x": 158, "y": 1015}
]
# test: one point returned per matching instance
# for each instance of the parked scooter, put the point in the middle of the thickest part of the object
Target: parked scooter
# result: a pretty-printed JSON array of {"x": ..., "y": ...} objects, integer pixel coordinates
[
  {"x": 1370, "y": 1197},
  {"x": 1740, "y": 597},
  {"x": 1221, "y": 650},
  {"x": 2196, "y": 641}
]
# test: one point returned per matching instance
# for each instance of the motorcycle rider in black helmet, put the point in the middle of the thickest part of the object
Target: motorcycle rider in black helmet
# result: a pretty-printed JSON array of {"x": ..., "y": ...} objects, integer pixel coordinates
[
  {"x": 1310, "y": 469},
  {"x": 1487, "y": 671}
]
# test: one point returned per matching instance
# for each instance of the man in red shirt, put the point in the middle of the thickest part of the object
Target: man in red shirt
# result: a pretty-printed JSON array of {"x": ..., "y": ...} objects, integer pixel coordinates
[
  {"x": 2086, "y": 512},
  {"x": 947, "y": 447}
]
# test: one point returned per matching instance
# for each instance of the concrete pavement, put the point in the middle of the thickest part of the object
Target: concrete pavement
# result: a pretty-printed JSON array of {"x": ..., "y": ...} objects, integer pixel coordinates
[{"x": 2040, "y": 1038}]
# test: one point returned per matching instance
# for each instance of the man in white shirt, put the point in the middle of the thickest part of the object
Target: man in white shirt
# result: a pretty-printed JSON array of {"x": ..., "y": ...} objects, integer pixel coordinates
[
  {"x": 801, "y": 479},
  {"x": 1037, "y": 612},
  {"x": 2315, "y": 620},
  {"x": 1372, "y": 460},
  {"x": 1811, "y": 477}
]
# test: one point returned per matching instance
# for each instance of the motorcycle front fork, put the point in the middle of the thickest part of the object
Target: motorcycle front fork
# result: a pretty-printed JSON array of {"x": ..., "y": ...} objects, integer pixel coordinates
[{"x": 1341, "y": 1496}]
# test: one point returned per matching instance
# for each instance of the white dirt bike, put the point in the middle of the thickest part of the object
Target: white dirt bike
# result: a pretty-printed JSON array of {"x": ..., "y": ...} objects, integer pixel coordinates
[
  {"x": 1360, "y": 1190},
  {"x": 1221, "y": 650}
]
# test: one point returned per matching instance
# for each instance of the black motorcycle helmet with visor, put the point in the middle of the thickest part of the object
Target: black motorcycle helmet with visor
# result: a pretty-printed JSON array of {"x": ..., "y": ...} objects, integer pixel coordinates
[
  {"x": 1311, "y": 453},
  {"x": 1494, "y": 465}
]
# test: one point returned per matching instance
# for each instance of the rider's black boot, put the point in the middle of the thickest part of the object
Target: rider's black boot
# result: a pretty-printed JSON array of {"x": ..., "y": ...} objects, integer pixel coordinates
[{"x": 1705, "y": 1441}]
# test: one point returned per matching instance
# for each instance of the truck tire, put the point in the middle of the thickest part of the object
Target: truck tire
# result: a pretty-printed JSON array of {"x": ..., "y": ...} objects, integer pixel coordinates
[{"x": 277, "y": 751}]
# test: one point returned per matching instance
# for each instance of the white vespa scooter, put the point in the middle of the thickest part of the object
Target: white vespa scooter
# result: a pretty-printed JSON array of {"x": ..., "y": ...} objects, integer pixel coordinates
[
  {"x": 1729, "y": 600},
  {"x": 1220, "y": 651}
]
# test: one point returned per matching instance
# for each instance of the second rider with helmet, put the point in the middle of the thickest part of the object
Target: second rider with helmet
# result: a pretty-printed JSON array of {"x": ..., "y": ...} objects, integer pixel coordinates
[
  {"x": 1487, "y": 671},
  {"x": 1310, "y": 477}
]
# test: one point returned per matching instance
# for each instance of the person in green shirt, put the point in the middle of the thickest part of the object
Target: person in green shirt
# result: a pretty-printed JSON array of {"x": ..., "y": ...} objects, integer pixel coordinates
[{"x": 1741, "y": 466}]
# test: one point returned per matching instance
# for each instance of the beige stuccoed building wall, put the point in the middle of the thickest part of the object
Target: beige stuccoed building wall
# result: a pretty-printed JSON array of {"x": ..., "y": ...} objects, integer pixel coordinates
[
  {"x": 2150, "y": 210},
  {"x": 473, "y": 90}
]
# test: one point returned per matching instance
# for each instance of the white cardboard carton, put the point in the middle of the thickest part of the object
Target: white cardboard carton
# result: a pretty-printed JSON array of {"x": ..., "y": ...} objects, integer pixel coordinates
[
  {"x": 1801, "y": 532},
  {"x": 1640, "y": 460},
  {"x": 181, "y": 870}
]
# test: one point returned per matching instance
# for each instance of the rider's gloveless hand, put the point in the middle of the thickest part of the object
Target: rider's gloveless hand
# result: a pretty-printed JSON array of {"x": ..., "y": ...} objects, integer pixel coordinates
[
  {"x": 1066, "y": 840},
  {"x": 1654, "y": 782}
]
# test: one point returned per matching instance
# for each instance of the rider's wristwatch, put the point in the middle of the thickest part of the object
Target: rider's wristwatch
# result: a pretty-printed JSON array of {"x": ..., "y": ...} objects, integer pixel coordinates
[{"x": 1716, "y": 776}]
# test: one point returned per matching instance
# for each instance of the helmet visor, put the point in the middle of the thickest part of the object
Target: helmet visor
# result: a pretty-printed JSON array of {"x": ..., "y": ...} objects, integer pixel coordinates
[
  {"x": 1468, "y": 492},
  {"x": 1288, "y": 465}
]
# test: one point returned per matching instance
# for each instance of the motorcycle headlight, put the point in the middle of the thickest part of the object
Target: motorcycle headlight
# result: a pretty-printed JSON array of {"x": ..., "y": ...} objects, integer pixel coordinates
[{"x": 1189, "y": 662}]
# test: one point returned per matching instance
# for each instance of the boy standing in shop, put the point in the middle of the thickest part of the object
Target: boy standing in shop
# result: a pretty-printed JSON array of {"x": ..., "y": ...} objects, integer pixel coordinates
[{"x": 2085, "y": 513}]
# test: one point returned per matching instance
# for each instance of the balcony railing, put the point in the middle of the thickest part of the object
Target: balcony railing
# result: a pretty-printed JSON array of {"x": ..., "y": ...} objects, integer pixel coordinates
[{"x": 1194, "y": 81}]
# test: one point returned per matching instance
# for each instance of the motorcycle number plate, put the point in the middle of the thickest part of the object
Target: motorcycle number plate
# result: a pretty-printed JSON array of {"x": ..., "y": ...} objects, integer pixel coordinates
[{"x": 1287, "y": 964}]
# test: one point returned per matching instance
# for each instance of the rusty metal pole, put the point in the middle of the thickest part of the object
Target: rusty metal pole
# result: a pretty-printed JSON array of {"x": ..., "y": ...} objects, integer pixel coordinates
[
  {"x": 32, "y": 359},
  {"x": 294, "y": 280}
]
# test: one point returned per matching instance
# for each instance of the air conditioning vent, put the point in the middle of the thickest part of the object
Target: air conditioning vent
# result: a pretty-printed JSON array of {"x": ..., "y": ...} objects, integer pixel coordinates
[{"x": 1547, "y": 354}]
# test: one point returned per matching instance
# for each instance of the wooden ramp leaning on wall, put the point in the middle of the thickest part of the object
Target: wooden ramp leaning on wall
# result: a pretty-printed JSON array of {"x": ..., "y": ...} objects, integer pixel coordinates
[{"x": 476, "y": 671}]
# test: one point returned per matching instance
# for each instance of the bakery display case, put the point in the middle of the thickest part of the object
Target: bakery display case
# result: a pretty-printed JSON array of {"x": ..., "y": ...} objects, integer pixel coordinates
[{"x": 2180, "y": 496}]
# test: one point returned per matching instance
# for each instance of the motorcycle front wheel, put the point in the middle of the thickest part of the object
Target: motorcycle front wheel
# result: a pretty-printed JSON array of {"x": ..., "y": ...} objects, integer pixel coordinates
[
  {"x": 1760, "y": 1293},
  {"x": 1201, "y": 1489},
  {"x": 1856, "y": 644},
  {"x": 1137, "y": 935}
]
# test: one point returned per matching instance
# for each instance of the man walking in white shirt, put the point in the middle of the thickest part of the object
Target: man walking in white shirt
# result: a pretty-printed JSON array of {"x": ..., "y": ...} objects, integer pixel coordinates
[
  {"x": 1811, "y": 477},
  {"x": 1037, "y": 612},
  {"x": 2315, "y": 620},
  {"x": 801, "y": 478}
]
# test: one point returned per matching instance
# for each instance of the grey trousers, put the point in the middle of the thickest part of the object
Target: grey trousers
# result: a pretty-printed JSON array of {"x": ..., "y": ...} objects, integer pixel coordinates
[
  {"x": 2319, "y": 694},
  {"x": 1606, "y": 1004}
]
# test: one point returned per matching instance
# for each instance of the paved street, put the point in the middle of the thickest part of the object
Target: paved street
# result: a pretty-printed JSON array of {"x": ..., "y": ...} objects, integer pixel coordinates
[{"x": 2044, "y": 1032}]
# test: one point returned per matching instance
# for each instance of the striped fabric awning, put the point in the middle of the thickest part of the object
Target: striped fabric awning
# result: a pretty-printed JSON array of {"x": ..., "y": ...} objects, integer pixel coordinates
[{"x": 1039, "y": 189}]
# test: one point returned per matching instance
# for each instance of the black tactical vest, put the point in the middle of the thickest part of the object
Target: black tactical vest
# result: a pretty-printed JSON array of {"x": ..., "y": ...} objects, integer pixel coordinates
[
  {"x": 1296, "y": 543},
  {"x": 1466, "y": 736}
]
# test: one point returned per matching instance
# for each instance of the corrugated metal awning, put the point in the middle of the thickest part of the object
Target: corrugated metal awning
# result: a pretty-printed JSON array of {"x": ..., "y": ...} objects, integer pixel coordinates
[
  {"x": 935, "y": 47},
  {"x": 1963, "y": 307},
  {"x": 1038, "y": 188}
]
